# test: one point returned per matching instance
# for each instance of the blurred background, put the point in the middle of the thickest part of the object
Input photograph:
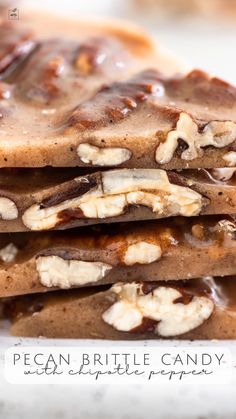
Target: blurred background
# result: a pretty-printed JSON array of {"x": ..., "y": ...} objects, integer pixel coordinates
[{"x": 202, "y": 33}]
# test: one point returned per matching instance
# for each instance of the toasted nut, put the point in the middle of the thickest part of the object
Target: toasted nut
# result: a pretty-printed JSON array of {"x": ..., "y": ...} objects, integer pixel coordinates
[
  {"x": 107, "y": 156},
  {"x": 119, "y": 189},
  {"x": 8, "y": 253},
  {"x": 216, "y": 133},
  {"x": 8, "y": 209},
  {"x": 172, "y": 318},
  {"x": 230, "y": 158},
  {"x": 55, "y": 271},
  {"x": 142, "y": 252}
]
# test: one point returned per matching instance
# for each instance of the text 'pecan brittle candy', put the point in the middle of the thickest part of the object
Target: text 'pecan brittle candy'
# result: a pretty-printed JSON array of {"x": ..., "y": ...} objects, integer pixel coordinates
[{"x": 140, "y": 192}]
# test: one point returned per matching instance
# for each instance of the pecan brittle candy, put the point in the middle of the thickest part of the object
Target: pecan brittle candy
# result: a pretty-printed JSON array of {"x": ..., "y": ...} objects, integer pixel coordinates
[
  {"x": 161, "y": 250},
  {"x": 129, "y": 137}
]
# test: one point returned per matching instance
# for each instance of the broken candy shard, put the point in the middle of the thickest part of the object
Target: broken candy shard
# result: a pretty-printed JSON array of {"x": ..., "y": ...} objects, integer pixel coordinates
[{"x": 115, "y": 102}]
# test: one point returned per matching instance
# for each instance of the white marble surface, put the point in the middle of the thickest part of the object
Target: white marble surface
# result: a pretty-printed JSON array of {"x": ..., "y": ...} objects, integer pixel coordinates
[{"x": 201, "y": 44}]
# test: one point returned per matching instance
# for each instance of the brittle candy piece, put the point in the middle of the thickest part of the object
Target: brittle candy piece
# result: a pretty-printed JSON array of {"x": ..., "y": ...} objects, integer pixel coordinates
[
  {"x": 199, "y": 309},
  {"x": 170, "y": 249}
]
